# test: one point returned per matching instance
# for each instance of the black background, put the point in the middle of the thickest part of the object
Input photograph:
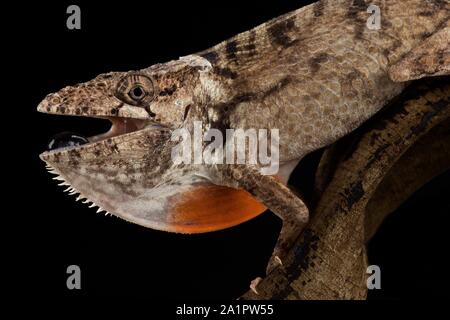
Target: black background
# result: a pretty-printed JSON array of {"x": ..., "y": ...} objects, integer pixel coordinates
[{"x": 119, "y": 258}]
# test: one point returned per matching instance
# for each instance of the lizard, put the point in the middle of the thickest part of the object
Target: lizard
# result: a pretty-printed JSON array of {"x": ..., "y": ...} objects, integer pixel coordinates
[{"x": 316, "y": 74}]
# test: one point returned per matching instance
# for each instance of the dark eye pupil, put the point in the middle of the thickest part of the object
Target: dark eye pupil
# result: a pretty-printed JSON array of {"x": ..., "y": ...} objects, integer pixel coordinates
[{"x": 137, "y": 93}]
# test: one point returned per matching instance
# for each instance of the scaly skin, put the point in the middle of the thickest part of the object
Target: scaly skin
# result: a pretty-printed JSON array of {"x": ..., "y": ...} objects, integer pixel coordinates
[{"x": 315, "y": 74}]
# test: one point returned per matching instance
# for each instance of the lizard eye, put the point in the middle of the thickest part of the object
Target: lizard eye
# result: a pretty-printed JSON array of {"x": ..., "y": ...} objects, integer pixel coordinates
[
  {"x": 135, "y": 89},
  {"x": 137, "y": 93}
]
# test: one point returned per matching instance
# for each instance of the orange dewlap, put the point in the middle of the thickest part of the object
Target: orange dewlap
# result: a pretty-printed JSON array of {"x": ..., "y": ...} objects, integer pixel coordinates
[{"x": 210, "y": 208}]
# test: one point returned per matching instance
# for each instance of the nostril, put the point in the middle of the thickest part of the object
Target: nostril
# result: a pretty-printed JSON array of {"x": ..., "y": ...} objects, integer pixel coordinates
[{"x": 66, "y": 139}]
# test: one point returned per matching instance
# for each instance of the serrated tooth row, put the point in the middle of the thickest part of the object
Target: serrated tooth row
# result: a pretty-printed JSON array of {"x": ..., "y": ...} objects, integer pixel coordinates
[{"x": 73, "y": 191}]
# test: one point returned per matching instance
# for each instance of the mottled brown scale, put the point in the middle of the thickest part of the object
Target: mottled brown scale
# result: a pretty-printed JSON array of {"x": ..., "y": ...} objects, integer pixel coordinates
[
  {"x": 315, "y": 74},
  {"x": 313, "y": 43}
]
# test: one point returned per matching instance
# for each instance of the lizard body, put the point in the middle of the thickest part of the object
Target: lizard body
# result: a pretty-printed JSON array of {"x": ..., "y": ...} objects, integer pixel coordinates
[{"x": 315, "y": 74}]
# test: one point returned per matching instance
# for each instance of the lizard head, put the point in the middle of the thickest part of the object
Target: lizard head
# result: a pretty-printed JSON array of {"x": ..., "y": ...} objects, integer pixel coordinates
[
  {"x": 162, "y": 94},
  {"x": 128, "y": 171}
]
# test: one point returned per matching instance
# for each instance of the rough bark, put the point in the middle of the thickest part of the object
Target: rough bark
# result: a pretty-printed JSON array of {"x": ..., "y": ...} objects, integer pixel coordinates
[{"x": 360, "y": 180}]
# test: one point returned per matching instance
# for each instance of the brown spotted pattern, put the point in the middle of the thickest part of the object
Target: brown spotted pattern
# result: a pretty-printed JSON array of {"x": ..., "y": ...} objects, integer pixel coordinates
[{"x": 315, "y": 74}]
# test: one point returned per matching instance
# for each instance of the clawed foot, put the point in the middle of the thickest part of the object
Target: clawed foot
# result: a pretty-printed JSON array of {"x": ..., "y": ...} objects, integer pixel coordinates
[
  {"x": 274, "y": 262},
  {"x": 254, "y": 284}
]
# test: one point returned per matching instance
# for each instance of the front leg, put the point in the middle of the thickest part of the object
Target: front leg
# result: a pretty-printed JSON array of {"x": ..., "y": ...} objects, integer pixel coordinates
[{"x": 277, "y": 197}]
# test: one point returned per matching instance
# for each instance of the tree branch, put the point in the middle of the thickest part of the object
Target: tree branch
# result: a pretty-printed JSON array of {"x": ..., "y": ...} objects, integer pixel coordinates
[{"x": 360, "y": 180}]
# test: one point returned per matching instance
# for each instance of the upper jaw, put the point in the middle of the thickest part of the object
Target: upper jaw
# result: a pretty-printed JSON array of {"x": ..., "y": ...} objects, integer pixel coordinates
[{"x": 110, "y": 109}]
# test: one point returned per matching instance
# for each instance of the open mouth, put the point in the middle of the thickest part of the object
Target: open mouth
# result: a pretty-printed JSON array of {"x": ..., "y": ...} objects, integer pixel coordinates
[
  {"x": 118, "y": 126},
  {"x": 62, "y": 155}
]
